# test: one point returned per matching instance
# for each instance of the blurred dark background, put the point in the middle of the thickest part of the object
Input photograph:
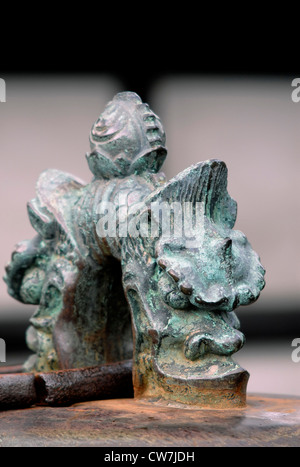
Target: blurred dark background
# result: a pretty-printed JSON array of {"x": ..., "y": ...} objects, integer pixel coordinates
[{"x": 239, "y": 111}]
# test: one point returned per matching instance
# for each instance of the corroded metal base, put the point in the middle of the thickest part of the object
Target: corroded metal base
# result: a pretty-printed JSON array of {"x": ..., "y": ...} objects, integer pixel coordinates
[
  {"x": 265, "y": 421},
  {"x": 209, "y": 391}
]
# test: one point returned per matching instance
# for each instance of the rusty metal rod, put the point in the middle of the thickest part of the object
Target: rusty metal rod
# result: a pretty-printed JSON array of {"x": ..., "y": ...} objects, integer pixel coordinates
[
  {"x": 66, "y": 387},
  {"x": 17, "y": 390}
]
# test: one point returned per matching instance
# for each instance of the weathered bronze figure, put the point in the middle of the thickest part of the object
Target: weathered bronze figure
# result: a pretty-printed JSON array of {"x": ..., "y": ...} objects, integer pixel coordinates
[{"x": 132, "y": 259}]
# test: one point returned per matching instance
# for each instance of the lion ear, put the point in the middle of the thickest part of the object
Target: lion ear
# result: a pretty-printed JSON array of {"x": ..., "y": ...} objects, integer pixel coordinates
[{"x": 204, "y": 183}]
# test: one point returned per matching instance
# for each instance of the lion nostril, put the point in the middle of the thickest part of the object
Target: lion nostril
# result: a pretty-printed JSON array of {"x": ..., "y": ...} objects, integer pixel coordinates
[
  {"x": 197, "y": 345},
  {"x": 202, "y": 349}
]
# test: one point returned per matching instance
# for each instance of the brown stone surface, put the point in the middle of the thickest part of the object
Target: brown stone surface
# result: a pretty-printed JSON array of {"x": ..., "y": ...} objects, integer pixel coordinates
[{"x": 266, "y": 421}]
